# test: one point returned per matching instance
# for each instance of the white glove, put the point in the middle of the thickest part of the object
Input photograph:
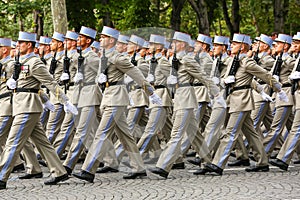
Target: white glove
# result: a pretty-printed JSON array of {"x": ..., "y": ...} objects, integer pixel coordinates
[
  {"x": 102, "y": 78},
  {"x": 155, "y": 99},
  {"x": 216, "y": 80},
  {"x": 131, "y": 103},
  {"x": 265, "y": 96},
  {"x": 229, "y": 79},
  {"x": 64, "y": 77},
  {"x": 220, "y": 100},
  {"x": 295, "y": 75},
  {"x": 276, "y": 77},
  {"x": 48, "y": 106},
  {"x": 127, "y": 79},
  {"x": 282, "y": 96},
  {"x": 78, "y": 77},
  {"x": 150, "y": 78},
  {"x": 172, "y": 80},
  {"x": 69, "y": 107},
  {"x": 11, "y": 83}
]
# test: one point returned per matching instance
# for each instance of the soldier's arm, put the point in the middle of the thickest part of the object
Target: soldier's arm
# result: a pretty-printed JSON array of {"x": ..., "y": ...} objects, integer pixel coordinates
[
  {"x": 194, "y": 70},
  {"x": 261, "y": 73},
  {"x": 164, "y": 66},
  {"x": 126, "y": 67},
  {"x": 42, "y": 74}
]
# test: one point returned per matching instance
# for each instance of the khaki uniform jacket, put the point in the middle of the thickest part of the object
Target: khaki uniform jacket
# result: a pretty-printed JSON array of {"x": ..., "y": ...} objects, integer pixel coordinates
[
  {"x": 57, "y": 73},
  {"x": 73, "y": 92},
  {"x": 286, "y": 69},
  {"x": 138, "y": 96},
  {"x": 266, "y": 61},
  {"x": 90, "y": 95},
  {"x": 220, "y": 73},
  {"x": 297, "y": 92},
  {"x": 205, "y": 64},
  {"x": 33, "y": 74},
  {"x": 242, "y": 100},
  {"x": 118, "y": 65},
  {"x": 162, "y": 72},
  {"x": 7, "y": 70},
  {"x": 189, "y": 70}
]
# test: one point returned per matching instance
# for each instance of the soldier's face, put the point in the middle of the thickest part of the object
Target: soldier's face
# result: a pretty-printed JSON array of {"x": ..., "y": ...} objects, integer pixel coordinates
[
  {"x": 68, "y": 43},
  {"x": 296, "y": 44},
  {"x": 218, "y": 49},
  {"x": 131, "y": 47},
  {"x": 198, "y": 47},
  {"x": 104, "y": 41},
  {"x": 23, "y": 47},
  {"x": 179, "y": 45},
  {"x": 81, "y": 41},
  {"x": 54, "y": 45},
  {"x": 121, "y": 47},
  {"x": 279, "y": 46}
]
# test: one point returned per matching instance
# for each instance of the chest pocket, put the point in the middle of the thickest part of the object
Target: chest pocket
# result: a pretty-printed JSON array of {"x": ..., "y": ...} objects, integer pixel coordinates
[{"x": 24, "y": 71}]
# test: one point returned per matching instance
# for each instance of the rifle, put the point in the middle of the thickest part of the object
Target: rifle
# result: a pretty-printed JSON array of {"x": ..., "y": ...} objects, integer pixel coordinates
[
  {"x": 66, "y": 67},
  {"x": 42, "y": 58},
  {"x": 233, "y": 69},
  {"x": 174, "y": 70},
  {"x": 133, "y": 61},
  {"x": 1, "y": 69},
  {"x": 218, "y": 66},
  {"x": 80, "y": 61},
  {"x": 295, "y": 84},
  {"x": 153, "y": 64},
  {"x": 197, "y": 58},
  {"x": 53, "y": 64},
  {"x": 277, "y": 67},
  {"x": 104, "y": 68},
  {"x": 255, "y": 57},
  {"x": 17, "y": 67}
]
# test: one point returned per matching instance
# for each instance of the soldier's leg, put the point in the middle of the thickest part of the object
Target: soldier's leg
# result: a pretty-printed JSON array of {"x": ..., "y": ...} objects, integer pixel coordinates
[
  {"x": 66, "y": 132},
  {"x": 172, "y": 150},
  {"x": 32, "y": 164},
  {"x": 86, "y": 121},
  {"x": 54, "y": 122},
  {"x": 22, "y": 127},
  {"x": 228, "y": 140},
  {"x": 278, "y": 124},
  {"x": 258, "y": 114},
  {"x": 44, "y": 118},
  {"x": 292, "y": 141}
]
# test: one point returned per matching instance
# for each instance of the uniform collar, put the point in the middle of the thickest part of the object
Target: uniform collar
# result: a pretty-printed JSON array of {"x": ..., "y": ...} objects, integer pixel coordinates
[
  {"x": 87, "y": 50},
  {"x": 48, "y": 55},
  {"x": 4, "y": 60},
  {"x": 180, "y": 54},
  {"x": 262, "y": 54},
  {"x": 22, "y": 58}
]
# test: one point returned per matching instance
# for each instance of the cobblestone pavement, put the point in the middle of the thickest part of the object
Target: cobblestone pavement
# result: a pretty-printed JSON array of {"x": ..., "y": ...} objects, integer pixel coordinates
[{"x": 181, "y": 184}]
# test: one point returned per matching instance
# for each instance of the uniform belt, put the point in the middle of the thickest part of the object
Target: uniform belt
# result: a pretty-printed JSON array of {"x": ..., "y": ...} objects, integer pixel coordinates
[
  {"x": 198, "y": 84},
  {"x": 243, "y": 87},
  {"x": 185, "y": 84},
  {"x": 90, "y": 83},
  {"x": 286, "y": 85},
  {"x": 7, "y": 94},
  {"x": 61, "y": 83},
  {"x": 31, "y": 90},
  {"x": 262, "y": 82},
  {"x": 114, "y": 83},
  {"x": 159, "y": 86},
  {"x": 132, "y": 86},
  {"x": 71, "y": 84}
]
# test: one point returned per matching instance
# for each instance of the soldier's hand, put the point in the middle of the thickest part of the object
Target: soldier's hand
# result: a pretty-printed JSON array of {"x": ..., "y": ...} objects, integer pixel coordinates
[
  {"x": 155, "y": 99},
  {"x": 229, "y": 79},
  {"x": 265, "y": 96},
  {"x": 172, "y": 80},
  {"x": 78, "y": 77},
  {"x": 69, "y": 107},
  {"x": 64, "y": 77},
  {"x": 150, "y": 78},
  {"x": 282, "y": 96},
  {"x": 295, "y": 75},
  {"x": 216, "y": 80},
  {"x": 11, "y": 84},
  {"x": 48, "y": 106},
  {"x": 102, "y": 78},
  {"x": 276, "y": 77},
  {"x": 127, "y": 79}
]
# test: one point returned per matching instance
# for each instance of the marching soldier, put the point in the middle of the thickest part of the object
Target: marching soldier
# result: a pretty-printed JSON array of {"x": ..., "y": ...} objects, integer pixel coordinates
[
  {"x": 184, "y": 70},
  {"x": 122, "y": 44},
  {"x": 27, "y": 107},
  {"x": 292, "y": 141},
  {"x": 89, "y": 96},
  {"x": 240, "y": 75},
  {"x": 114, "y": 103},
  {"x": 283, "y": 109},
  {"x": 68, "y": 125}
]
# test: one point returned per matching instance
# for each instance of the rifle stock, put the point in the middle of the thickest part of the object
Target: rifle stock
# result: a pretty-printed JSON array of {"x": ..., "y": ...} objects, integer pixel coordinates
[
  {"x": 17, "y": 67},
  {"x": 66, "y": 68}
]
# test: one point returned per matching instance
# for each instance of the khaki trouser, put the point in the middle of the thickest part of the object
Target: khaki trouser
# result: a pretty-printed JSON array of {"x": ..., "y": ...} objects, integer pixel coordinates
[
  {"x": 278, "y": 124},
  {"x": 66, "y": 134},
  {"x": 89, "y": 117},
  {"x": 25, "y": 126},
  {"x": 44, "y": 118},
  {"x": 32, "y": 165},
  {"x": 113, "y": 120},
  {"x": 54, "y": 122},
  {"x": 184, "y": 123},
  {"x": 292, "y": 141},
  {"x": 239, "y": 122}
]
